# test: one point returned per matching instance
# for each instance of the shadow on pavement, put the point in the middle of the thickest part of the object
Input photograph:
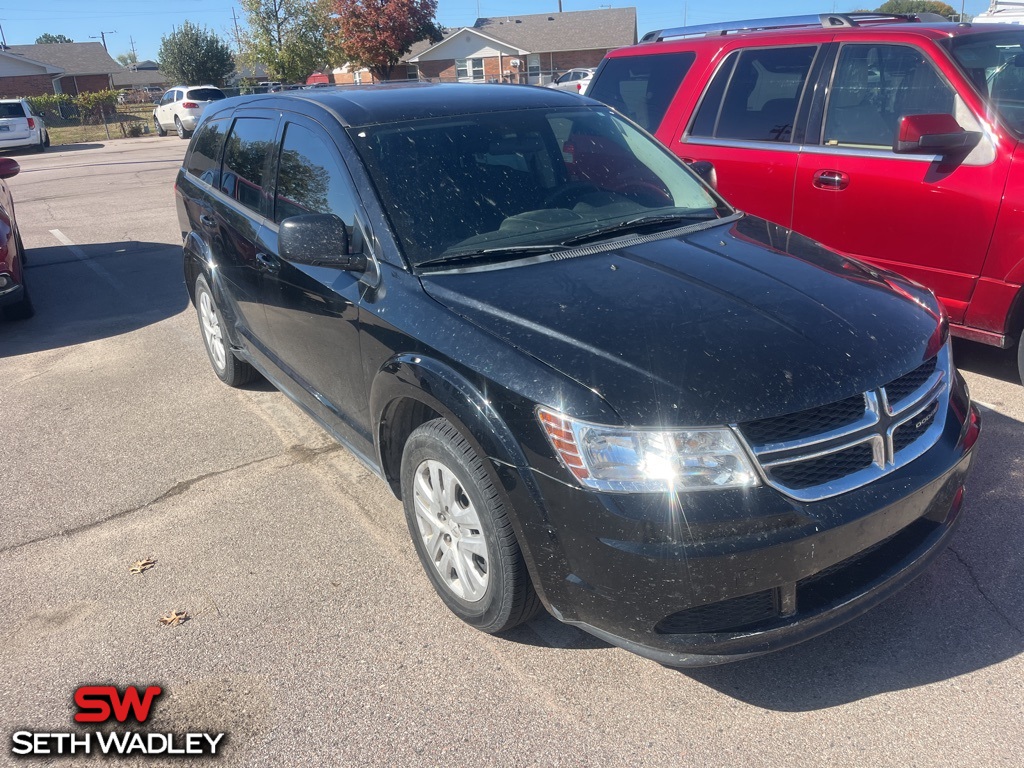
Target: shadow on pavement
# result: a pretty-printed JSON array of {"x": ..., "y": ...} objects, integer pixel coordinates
[
  {"x": 989, "y": 361},
  {"x": 73, "y": 147},
  {"x": 89, "y": 292},
  {"x": 964, "y": 614}
]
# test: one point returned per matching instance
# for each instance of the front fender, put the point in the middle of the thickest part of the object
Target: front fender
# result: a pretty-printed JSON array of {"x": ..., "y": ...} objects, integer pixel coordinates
[{"x": 449, "y": 393}]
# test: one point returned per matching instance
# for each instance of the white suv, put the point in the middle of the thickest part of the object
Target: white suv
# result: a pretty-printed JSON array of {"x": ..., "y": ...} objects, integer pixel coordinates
[
  {"x": 21, "y": 127},
  {"x": 181, "y": 106}
]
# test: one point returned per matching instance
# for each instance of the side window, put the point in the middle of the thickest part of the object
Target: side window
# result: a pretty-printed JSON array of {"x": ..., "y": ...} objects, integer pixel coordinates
[
  {"x": 762, "y": 92},
  {"x": 204, "y": 162},
  {"x": 168, "y": 98},
  {"x": 874, "y": 86},
  {"x": 641, "y": 87},
  {"x": 310, "y": 179},
  {"x": 245, "y": 160}
]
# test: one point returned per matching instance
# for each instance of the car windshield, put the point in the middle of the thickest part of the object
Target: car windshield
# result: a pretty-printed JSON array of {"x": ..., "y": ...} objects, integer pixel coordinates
[
  {"x": 472, "y": 186},
  {"x": 205, "y": 94},
  {"x": 994, "y": 62}
]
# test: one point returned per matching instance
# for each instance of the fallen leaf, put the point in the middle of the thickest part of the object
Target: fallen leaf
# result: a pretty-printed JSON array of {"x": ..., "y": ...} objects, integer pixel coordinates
[
  {"x": 174, "y": 618},
  {"x": 141, "y": 566}
]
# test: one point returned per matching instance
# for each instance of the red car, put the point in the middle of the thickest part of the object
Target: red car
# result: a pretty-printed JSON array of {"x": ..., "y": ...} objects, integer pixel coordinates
[
  {"x": 894, "y": 139},
  {"x": 14, "y": 301}
]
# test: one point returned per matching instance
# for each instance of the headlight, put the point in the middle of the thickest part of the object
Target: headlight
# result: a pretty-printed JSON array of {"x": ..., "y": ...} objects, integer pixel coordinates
[{"x": 648, "y": 460}]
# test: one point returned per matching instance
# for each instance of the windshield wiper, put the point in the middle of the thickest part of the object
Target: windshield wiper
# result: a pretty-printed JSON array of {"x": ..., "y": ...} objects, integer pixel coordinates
[
  {"x": 509, "y": 251},
  {"x": 639, "y": 223}
]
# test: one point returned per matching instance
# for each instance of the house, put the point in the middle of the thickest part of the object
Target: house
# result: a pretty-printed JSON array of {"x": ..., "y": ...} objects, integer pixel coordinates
[
  {"x": 22, "y": 76},
  {"x": 79, "y": 67},
  {"x": 514, "y": 49},
  {"x": 134, "y": 79}
]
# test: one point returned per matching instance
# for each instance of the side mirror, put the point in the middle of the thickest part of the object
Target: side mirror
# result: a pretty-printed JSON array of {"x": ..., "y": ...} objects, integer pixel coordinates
[
  {"x": 320, "y": 240},
  {"x": 706, "y": 171},
  {"x": 933, "y": 134},
  {"x": 8, "y": 168}
]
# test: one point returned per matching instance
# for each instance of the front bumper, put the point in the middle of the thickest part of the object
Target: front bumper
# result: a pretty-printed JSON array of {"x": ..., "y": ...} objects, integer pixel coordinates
[{"x": 705, "y": 578}]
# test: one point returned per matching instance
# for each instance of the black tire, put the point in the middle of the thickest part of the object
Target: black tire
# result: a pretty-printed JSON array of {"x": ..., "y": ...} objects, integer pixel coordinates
[
  {"x": 508, "y": 598},
  {"x": 23, "y": 309},
  {"x": 41, "y": 145},
  {"x": 46, "y": 142},
  {"x": 229, "y": 369},
  {"x": 1020, "y": 357},
  {"x": 182, "y": 133},
  {"x": 158, "y": 128}
]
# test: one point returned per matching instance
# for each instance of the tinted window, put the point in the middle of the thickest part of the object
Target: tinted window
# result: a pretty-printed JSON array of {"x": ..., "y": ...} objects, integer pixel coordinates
[
  {"x": 761, "y": 97},
  {"x": 206, "y": 94},
  {"x": 874, "y": 86},
  {"x": 11, "y": 110},
  {"x": 204, "y": 162},
  {"x": 310, "y": 179},
  {"x": 245, "y": 160},
  {"x": 471, "y": 183},
  {"x": 641, "y": 87}
]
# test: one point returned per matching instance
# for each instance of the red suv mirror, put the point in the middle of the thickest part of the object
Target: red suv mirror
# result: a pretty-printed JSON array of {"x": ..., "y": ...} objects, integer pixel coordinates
[
  {"x": 8, "y": 168},
  {"x": 933, "y": 134}
]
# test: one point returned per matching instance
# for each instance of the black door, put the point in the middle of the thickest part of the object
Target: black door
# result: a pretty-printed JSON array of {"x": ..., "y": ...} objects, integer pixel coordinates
[
  {"x": 313, "y": 312},
  {"x": 244, "y": 178}
]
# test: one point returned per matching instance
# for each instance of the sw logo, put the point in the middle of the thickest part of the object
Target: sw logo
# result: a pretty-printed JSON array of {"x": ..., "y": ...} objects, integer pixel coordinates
[
  {"x": 106, "y": 703},
  {"x": 96, "y": 703}
]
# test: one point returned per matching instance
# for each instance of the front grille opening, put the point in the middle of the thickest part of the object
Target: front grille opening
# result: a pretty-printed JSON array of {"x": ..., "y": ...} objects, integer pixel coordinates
[
  {"x": 725, "y": 616},
  {"x": 780, "y": 429},
  {"x": 854, "y": 574},
  {"x": 908, "y": 433},
  {"x": 909, "y": 383},
  {"x": 824, "y": 469}
]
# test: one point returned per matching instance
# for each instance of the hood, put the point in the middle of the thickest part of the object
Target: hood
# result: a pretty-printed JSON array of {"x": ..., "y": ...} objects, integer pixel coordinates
[{"x": 741, "y": 321}]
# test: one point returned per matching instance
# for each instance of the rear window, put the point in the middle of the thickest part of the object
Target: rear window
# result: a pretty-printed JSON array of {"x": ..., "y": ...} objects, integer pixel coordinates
[
  {"x": 12, "y": 110},
  {"x": 641, "y": 87},
  {"x": 205, "y": 94}
]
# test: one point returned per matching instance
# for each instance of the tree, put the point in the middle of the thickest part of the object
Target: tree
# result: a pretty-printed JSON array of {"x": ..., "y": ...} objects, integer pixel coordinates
[
  {"x": 129, "y": 59},
  {"x": 194, "y": 55},
  {"x": 290, "y": 38},
  {"x": 378, "y": 33},
  {"x": 919, "y": 6},
  {"x": 48, "y": 38}
]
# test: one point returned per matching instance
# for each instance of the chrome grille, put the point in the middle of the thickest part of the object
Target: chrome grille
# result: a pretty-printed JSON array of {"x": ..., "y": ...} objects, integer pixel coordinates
[{"x": 835, "y": 448}]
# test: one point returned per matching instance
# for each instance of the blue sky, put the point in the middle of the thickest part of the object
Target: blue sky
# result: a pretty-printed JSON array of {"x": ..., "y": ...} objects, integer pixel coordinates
[{"x": 146, "y": 23}]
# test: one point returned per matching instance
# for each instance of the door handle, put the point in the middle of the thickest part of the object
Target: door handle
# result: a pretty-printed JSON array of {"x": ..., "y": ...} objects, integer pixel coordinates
[
  {"x": 206, "y": 220},
  {"x": 831, "y": 180},
  {"x": 268, "y": 263}
]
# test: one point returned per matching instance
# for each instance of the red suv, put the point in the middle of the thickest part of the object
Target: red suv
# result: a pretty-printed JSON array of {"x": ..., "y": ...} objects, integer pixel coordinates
[{"x": 895, "y": 139}]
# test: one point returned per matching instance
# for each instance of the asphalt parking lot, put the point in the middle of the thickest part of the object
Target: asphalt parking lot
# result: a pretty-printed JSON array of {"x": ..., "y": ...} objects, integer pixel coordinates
[{"x": 315, "y": 638}]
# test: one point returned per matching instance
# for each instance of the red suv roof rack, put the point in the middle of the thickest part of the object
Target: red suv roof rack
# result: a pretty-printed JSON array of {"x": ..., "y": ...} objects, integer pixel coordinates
[{"x": 825, "y": 20}]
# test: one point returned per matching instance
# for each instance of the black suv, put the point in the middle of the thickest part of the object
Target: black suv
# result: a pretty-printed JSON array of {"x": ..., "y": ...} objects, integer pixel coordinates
[{"x": 594, "y": 385}]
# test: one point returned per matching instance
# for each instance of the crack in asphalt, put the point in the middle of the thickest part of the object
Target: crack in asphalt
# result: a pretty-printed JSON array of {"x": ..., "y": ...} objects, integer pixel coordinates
[
  {"x": 300, "y": 455},
  {"x": 992, "y": 604}
]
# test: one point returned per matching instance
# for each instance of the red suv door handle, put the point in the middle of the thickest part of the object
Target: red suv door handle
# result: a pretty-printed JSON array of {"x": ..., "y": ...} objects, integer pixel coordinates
[{"x": 832, "y": 180}]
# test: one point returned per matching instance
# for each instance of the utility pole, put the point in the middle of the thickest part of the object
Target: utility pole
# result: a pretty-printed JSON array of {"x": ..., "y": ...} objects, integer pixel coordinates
[
  {"x": 2, "y": 36},
  {"x": 238, "y": 43},
  {"x": 103, "y": 37}
]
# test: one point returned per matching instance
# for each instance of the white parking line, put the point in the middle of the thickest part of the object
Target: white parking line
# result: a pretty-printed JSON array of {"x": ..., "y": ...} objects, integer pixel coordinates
[{"x": 68, "y": 243}]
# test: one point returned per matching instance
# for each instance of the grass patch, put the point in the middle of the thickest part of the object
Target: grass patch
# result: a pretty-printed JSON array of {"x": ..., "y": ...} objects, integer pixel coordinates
[{"x": 128, "y": 114}]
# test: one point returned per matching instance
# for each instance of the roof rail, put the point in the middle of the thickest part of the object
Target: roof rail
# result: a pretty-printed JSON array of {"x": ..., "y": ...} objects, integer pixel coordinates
[{"x": 823, "y": 20}]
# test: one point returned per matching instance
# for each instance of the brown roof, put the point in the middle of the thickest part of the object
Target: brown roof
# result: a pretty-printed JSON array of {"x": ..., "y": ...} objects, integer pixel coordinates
[
  {"x": 73, "y": 58},
  {"x": 552, "y": 32}
]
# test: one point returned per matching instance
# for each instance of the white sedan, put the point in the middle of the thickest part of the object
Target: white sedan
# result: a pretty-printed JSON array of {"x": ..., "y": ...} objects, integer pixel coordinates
[{"x": 575, "y": 80}]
